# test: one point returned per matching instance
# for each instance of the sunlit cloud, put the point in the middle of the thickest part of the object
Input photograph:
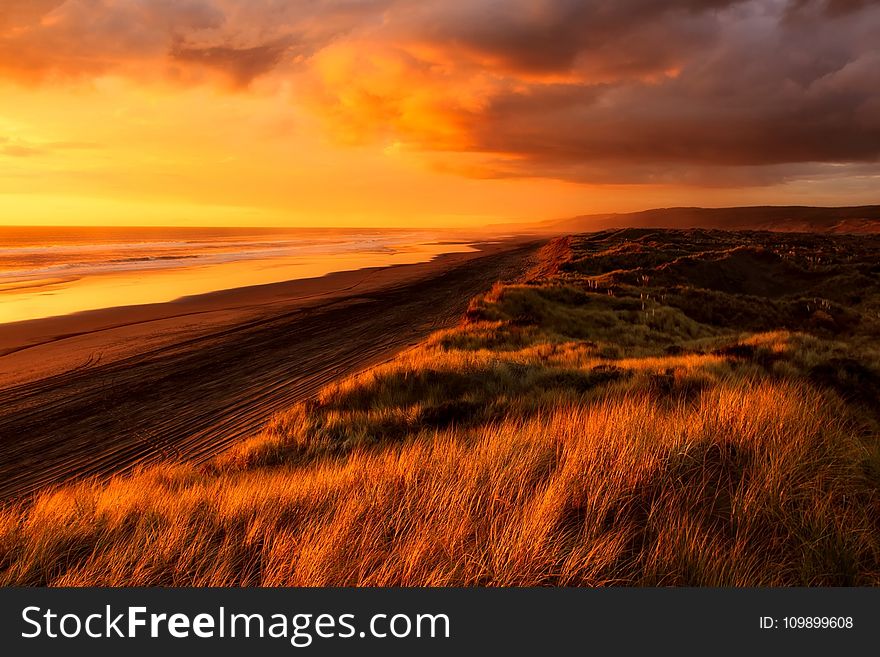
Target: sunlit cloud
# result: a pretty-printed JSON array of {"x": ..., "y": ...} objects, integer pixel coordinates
[
  {"x": 693, "y": 94},
  {"x": 717, "y": 93}
]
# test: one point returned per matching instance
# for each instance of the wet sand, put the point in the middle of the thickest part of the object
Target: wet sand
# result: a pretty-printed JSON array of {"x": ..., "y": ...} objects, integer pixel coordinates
[{"x": 101, "y": 392}]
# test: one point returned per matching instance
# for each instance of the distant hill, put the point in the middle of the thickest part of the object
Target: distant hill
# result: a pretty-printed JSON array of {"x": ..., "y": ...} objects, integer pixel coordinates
[{"x": 862, "y": 219}]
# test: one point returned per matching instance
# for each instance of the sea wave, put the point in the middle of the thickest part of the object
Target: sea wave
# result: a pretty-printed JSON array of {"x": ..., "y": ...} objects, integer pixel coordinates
[{"x": 21, "y": 263}]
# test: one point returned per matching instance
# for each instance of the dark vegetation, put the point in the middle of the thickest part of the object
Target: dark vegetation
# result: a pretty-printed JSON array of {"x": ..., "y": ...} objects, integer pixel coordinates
[{"x": 643, "y": 407}]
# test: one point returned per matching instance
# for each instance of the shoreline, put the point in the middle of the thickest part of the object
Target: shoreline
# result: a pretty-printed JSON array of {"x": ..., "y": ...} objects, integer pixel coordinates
[
  {"x": 107, "y": 327},
  {"x": 100, "y": 393}
]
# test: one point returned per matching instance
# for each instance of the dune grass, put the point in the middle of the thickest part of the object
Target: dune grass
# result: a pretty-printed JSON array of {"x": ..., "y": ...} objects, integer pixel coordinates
[{"x": 561, "y": 435}]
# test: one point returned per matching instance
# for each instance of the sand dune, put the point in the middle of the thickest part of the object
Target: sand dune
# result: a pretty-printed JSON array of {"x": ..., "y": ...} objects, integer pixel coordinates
[
  {"x": 629, "y": 412},
  {"x": 792, "y": 219}
]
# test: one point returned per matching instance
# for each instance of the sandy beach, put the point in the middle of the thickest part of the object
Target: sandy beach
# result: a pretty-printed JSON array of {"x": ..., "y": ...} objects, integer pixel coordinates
[{"x": 101, "y": 392}]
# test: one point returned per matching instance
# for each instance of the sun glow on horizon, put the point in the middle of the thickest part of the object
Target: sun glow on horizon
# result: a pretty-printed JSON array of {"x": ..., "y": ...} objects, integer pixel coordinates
[{"x": 116, "y": 153}]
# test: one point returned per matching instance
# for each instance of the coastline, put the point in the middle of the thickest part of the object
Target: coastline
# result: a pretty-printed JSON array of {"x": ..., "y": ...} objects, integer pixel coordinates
[
  {"x": 35, "y": 348},
  {"x": 102, "y": 392}
]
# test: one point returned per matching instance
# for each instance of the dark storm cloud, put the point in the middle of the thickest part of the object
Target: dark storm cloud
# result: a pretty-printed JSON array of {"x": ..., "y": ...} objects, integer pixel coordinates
[
  {"x": 691, "y": 91},
  {"x": 828, "y": 7},
  {"x": 697, "y": 91},
  {"x": 552, "y": 35}
]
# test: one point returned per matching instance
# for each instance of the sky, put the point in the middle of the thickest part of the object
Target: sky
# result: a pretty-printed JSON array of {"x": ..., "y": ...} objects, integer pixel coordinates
[{"x": 433, "y": 112}]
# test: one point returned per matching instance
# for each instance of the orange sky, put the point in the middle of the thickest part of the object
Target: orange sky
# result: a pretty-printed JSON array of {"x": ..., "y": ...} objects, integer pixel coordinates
[{"x": 225, "y": 112}]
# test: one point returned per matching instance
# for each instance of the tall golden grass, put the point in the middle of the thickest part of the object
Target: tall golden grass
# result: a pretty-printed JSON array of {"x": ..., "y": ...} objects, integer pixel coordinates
[
  {"x": 748, "y": 485},
  {"x": 554, "y": 438}
]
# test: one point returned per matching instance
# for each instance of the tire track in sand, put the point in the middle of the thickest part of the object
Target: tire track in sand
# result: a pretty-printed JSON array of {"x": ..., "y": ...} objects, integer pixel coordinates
[{"x": 192, "y": 399}]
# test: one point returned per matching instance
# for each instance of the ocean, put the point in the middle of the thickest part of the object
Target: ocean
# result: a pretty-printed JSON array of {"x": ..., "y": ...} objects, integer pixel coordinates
[{"x": 49, "y": 271}]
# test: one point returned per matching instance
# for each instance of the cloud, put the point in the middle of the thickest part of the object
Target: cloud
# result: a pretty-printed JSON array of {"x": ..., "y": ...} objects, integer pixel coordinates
[
  {"x": 706, "y": 92},
  {"x": 242, "y": 65},
  {"x": 17, "y": 13},
  {"x": 91, "y": 37},
  {"x": 558, "y": 36},
  {"x": 628, "y": 91},
  {"x": 18, "y": 150},
  {"x": 20, "y": 147},
  {"x": 829, "y": 8},
  {"x": 242, "y": 39}
]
